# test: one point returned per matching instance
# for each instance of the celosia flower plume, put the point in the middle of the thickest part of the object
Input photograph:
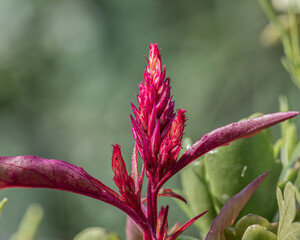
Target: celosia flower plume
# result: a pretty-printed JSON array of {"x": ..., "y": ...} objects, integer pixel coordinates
[{"x": 158, "y": 132}]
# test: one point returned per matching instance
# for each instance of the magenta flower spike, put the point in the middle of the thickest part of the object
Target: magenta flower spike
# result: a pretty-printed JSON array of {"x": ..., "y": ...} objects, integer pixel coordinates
[{"x": 158, "y": 132}]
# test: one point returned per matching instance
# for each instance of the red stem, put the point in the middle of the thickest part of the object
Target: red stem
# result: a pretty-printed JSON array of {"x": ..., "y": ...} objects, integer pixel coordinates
[
  {"x": 147, "y": 236},
  {"x": 152, "y": 205},
  {"x": 149, "y": 204}
]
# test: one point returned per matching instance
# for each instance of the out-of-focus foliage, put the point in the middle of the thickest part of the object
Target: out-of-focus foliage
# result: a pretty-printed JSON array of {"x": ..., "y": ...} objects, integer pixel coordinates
[
  {"x": 287, "y": 28},
  {"x": 289, "y": 149},
  {"x": 69, "y": 69},
  {"x": 30, "y": 223},
  {"x": 96, "y": 233},
  {"x": 2, "y": 203}
]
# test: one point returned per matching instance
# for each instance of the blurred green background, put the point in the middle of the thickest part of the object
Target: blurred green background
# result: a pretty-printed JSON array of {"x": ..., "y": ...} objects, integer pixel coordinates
[{"x": 69, "y": 70}]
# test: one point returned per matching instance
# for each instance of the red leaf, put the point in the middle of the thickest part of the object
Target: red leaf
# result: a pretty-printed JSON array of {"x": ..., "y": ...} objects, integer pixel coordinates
[
  {"x": 165, "y": 192},
  {"x": 231, "y": 210},
  {"x": 185, "y": 226},
  {"x": 224, "y": 135},
  {"x": 36, "y": 172}
]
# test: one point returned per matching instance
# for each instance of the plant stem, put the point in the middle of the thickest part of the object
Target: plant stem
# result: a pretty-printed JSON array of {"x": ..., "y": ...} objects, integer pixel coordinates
[
  {"x": 150, "y": 212},
  {"x": 152, "y": 204}
]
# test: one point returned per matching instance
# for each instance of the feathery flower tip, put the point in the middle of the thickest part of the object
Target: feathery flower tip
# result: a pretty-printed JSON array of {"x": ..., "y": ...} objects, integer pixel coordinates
[
  {"x": 154, "y": 59},
  {"x": 178, "y": 124}
]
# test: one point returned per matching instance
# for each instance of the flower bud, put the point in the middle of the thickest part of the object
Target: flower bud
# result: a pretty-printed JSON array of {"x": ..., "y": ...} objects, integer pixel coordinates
[{"x": 121, "y": 178}]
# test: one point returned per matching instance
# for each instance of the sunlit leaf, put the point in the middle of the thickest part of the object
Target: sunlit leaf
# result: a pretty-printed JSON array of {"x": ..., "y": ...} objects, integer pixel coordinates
[
  {"x": 258, "y": 232},
  {"x": 287, "y": 229}
]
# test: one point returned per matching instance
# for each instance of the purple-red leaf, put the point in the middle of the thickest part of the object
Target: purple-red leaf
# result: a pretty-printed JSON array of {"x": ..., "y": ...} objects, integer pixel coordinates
[
  {"x": 32, "y": 171},
  {"x": 231, "y": 210},
  {"x": 36, "y": 172},
  {"x": 225, "y": 135},
  {"x": 165, "y": 192},
  {"x": 185, "y": 226}
]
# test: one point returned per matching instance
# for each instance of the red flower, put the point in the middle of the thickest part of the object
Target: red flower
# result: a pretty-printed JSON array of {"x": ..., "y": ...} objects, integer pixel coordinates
[
  {"x": 155, "y": 113},
  {"x": 158, "y": 134}
]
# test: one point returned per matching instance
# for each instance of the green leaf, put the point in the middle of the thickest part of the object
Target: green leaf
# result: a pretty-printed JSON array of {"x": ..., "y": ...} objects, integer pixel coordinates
[
  {"x": 96, "y": 233},
  {"x": 196, "y": 192},
  {"x": 258, "y": 232},
  {"x": 246, "y": 228},
  {"x": 277, "y": 146},
  {"x": 198, "y": 195},
  {"x": 287, "y": 229},
  {"x": 229, "y": 169},
  {"x": 245, "y": 222},
  {"x": 231, "y": 210},
  {"x": 297, "y": 187}
]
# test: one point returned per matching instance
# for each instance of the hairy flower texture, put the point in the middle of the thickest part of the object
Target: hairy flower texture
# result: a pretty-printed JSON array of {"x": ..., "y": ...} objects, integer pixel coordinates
[{"x": 157, "y": 131}]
